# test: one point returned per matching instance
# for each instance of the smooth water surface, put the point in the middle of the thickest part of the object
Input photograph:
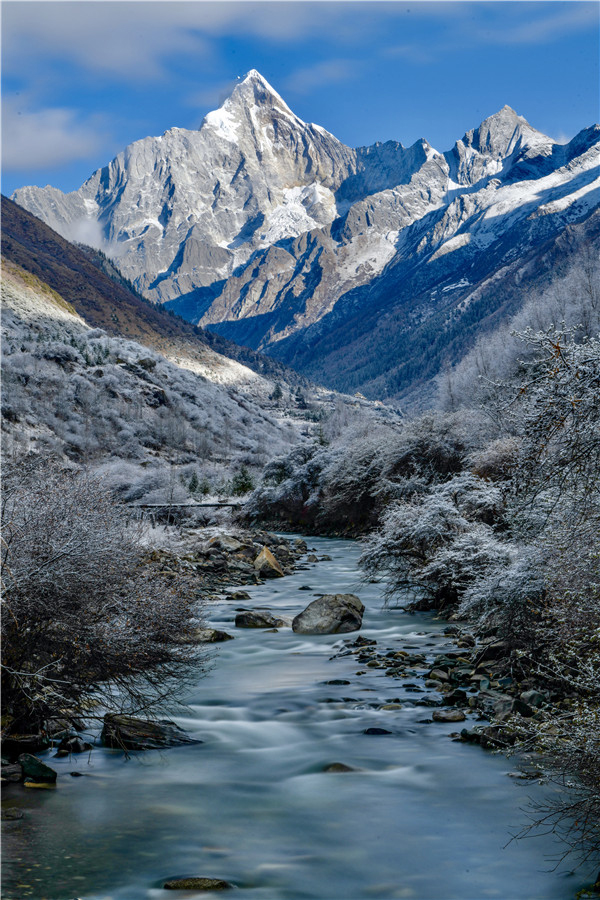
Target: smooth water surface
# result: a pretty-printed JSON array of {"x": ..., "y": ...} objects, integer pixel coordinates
[{"x": 423, "y": 817}]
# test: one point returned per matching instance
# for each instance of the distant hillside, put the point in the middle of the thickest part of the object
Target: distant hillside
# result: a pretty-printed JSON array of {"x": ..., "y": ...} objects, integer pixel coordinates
[
  {"x": 108, "y": 302},
  {"x": 154, "y": 429}
]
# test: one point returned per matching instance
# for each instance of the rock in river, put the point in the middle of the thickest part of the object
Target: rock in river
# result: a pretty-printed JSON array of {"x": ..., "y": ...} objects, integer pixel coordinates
[
  {"x": 267, "y": 565},
  {"x": 197, "y": 884},
  {"x": 259, "y": 619},
  {"x": 12, "y": 772},
  {"x": 330, "y": 614},
  {"x": 36, "y": 771},
  {"x": 129, "y": 733},
  {"x": 208, "y": 636},
  {"x": 448, "y": 715}
]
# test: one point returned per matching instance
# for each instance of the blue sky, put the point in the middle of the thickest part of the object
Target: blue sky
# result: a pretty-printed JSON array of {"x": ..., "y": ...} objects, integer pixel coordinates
[{"x": 81, "y": 80}]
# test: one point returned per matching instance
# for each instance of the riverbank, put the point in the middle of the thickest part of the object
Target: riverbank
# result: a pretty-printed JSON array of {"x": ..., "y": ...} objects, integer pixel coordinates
[
  {"x": 259, "y": 803},
  {"x": 205, "y": 561}
]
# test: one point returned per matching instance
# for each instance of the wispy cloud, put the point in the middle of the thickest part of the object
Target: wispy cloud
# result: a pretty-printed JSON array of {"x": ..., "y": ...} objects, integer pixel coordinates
[
  {"x": 542, "y": 27},
  {"x": 45, "y": 138},
  {"x": 212, "y": 96},
  {"x": 410, "y": 52},
  {"x": 139, "y": 40},
  {"x": 333, "y": 71},
  {"x": 122, "y": 39}
]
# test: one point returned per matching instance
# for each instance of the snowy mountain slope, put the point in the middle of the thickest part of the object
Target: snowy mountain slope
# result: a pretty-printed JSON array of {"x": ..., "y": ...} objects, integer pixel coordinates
[
  {"x": 182, "y": 210},
  {"x": 272, "y": 233},
  {"x": 100, "y": 295},
  {"x": 113, "y": 404},
  {"x": 414, "y": 225},
  {"x": 390, "y": 338}
]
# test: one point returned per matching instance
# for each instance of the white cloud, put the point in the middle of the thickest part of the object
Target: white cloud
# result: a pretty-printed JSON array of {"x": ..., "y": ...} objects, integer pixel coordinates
[
  {"x": 136, "y": 39},
  {"x": 545, "y": 28},
  {"x": 124, "y": 38},
  {"x": 45, "y": 138},
  {"x": 213, "y": 96},
  {"x": 333, "y": 71}
]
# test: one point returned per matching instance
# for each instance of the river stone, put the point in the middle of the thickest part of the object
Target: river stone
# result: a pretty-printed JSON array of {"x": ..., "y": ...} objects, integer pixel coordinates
[
  {"x": 258, "y": 619},
  {"x": 226, "y": 542},
  {"x": 376, "y": 731},
  {"x": 130, "y": 733},
  {"x": 197, "y": 884},
  {"x": 15, "y": 744},
  {"x": 34, "y": 770},
  {"x": 73, "y": 744},
  {"x": 12, "y": 772},
  {"x": 208, "y": 636},
  {"x": 438, "y": 675},
  {"x": 267, "y": 565},
  {"x": 533, "y": 698},
  {"x": 338, "y": 767},
  {"x": 12, "y": 813},
  {"x": 448, "y": 715},
  {"x": 330, "y": 614}
]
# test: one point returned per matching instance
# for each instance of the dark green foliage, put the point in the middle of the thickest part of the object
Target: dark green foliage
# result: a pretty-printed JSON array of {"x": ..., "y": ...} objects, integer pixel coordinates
[{"x": 242, "y": 482}]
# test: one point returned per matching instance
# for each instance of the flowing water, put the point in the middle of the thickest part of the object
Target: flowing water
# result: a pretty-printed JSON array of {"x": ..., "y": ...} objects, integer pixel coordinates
[{"x": 421, "y": 817}]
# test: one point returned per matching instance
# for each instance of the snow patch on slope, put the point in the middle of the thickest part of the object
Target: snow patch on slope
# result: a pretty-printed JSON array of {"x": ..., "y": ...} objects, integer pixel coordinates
[{"x": 223, "y": 123}]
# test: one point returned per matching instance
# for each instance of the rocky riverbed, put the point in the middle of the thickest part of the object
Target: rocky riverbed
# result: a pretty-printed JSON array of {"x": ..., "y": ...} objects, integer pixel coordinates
[
  {"x": 315, "y": 759},
  {"x": 207, "y": 562}
]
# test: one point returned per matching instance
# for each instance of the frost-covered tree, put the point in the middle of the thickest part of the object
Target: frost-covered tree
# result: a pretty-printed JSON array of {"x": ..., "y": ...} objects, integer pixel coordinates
[
  {"x": 82, "y": 614},
  {"x": 435, "y": 545}
]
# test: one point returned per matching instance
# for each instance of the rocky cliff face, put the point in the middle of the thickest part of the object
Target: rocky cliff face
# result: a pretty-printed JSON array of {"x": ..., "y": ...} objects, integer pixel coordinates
[
  {"x": 273, "y": 233},
  {"x": 183, "y": 210}
]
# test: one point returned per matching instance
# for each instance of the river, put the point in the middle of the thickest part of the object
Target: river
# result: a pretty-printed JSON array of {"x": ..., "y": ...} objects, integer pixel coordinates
[{"x": 423, "y": 817}]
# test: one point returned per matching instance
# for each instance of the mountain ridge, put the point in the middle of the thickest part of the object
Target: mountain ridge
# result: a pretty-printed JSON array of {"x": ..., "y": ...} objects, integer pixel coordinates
[{"x": 266, "y": 229}]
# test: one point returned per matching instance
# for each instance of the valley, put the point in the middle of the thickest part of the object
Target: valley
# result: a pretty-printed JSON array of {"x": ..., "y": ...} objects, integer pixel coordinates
[{"x": 387, "y": 356}]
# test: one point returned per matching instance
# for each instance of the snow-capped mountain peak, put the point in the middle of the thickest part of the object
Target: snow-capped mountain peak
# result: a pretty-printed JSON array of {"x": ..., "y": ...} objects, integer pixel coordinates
[
  {"x": 258, "y": 224},
  {"x": 251, "y": 96},
  {"x": 490, "y": 150}
]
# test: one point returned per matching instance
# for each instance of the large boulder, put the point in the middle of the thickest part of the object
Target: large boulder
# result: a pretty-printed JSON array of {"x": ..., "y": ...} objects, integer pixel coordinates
[
  {"x": 267, "y": 565},
  {"x": 35, "y": 770},
  {"x": 330, "y": 614},
  {"x": 15, "y": 744},
  {"x": 259, "y": 619},
  {"x": 130, "y": 733}
]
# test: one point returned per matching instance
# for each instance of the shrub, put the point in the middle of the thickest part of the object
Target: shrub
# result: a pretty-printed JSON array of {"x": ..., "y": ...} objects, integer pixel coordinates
[{"x": 82, "y": 614}]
